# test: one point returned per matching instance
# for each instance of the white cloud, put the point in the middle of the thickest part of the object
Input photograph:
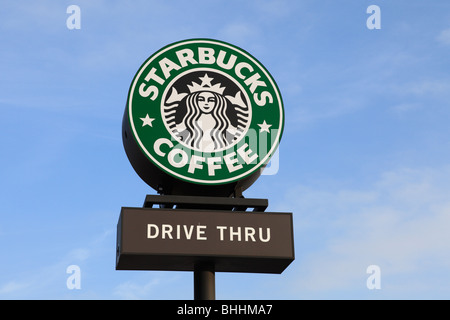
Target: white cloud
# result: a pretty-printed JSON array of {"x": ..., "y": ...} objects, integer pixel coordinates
[
  {"x": 238, "y": 32},
  {"x": 424, "y": 87},
  {"x": 27, "y": 15},
  {"x": 322, "y": 108},
  {"x": 48, "y": 281},
  {"x": 401, "y": 224},
  {"x": 130, "y": 290},
  {"x": 13, "y": 287},
  {"x": 275, "y": 8},
  {"x": 406, "y": 107},
  {"x": 444, "y": 37}
]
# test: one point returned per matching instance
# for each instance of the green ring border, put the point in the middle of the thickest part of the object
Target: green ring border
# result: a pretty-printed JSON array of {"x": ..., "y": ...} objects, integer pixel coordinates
[{"x": 263, "y": 162}]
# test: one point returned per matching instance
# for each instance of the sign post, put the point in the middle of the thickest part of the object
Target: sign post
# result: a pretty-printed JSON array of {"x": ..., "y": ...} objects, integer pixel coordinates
[
  {"x": 202, "y": 120},
  {"x": 204, "y": 282}
]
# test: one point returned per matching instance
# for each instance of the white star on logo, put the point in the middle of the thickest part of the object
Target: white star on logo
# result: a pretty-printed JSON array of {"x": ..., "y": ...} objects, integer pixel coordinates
[
  {"x": 206, "y": 81},
  {"x": 264, "y": 127},
  {"x": 147, "y": 121}
]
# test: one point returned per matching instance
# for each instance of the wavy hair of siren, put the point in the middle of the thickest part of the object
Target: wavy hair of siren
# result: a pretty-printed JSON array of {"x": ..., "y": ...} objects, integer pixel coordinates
[
  {"x": 193, "y": 114},
  {"x": 225, "y": 131}
]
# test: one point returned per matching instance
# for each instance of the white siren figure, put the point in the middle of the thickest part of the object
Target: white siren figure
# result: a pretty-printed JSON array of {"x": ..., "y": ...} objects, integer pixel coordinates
[{"x": 206, "y": 125}]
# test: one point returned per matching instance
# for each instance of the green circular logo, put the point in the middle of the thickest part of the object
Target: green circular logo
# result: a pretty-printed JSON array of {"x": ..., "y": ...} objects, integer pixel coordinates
[{"x": 205, "y": 112}]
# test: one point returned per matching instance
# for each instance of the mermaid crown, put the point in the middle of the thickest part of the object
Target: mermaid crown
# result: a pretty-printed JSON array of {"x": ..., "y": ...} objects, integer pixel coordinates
[{"x": 206, "y": 86}]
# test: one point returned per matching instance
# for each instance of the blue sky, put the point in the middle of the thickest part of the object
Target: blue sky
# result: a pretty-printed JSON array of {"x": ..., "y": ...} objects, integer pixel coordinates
[{"x": 364, "y": 160}]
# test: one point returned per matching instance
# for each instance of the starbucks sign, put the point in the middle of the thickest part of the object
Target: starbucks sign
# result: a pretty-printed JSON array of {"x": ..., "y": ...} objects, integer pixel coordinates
[{"x": 202, "y": 117}]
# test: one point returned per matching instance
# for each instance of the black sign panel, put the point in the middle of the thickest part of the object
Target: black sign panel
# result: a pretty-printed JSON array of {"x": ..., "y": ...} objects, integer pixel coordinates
[{"x": 168, "y": 239}]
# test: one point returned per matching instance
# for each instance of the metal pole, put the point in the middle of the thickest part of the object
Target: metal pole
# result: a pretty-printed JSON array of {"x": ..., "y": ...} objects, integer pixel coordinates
[{"x": 204, "y": 282}]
